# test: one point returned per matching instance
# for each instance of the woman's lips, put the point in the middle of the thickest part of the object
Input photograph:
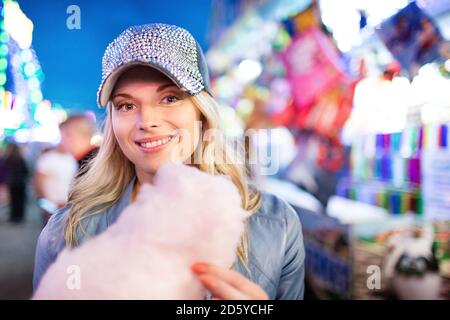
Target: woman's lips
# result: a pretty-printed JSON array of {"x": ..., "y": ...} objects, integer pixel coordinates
[{"x": 154, "y": 145}]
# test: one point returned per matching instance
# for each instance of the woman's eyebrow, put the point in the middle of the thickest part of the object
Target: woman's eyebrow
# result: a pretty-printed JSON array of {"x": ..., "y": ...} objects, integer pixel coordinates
[
  {"x": 164, "y": 86},
  {"x": 125, "y": 95}
]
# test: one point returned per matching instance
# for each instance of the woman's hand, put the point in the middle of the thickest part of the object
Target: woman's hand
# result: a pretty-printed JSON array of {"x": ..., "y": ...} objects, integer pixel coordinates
[{"x": 226, "y": 284}]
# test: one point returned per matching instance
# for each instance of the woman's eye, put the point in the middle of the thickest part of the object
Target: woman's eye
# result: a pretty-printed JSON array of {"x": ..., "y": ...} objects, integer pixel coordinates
[
  {"x": 126, "y": 107},
  {"x": 170, "y": 99}
]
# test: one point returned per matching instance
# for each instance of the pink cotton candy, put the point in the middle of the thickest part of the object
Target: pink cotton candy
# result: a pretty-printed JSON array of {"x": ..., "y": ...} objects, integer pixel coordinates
[{"x": 186, "y": 216}]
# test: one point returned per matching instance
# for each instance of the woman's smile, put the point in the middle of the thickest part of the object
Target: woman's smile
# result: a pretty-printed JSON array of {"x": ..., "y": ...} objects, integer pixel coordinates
[{"x": 155, "y": 144}]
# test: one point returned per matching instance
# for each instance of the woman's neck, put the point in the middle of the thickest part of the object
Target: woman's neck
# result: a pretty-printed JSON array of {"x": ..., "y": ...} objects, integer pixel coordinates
[
  {"x": 141, "y": 177},
  {"x": 135, "y": 190},
  {"x": 144, "y": 177}
]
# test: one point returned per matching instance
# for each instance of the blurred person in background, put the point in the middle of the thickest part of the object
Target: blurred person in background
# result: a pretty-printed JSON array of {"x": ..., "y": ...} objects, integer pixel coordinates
[
  {"x": 3, "y": 191},
  {"x": 77, "y": 132},
  {"x": 55, "y": 171},
  {"x": 16, "y": 174}
]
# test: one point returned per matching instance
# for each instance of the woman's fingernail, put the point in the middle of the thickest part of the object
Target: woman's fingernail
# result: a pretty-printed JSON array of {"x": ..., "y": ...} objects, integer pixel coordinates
[{"x": 200, "y": 267}]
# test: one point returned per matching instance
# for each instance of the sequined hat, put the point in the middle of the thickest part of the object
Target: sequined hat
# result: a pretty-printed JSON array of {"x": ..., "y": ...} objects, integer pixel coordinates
[{"x": 167, "y": 48}]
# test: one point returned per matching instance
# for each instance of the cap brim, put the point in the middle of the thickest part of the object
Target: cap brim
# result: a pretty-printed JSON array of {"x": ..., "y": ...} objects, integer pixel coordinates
[{"x": 108, "y": 85}]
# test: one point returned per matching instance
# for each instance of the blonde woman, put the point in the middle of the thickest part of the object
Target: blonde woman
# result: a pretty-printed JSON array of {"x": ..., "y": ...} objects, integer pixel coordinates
[{"x": 155, "y": 87}]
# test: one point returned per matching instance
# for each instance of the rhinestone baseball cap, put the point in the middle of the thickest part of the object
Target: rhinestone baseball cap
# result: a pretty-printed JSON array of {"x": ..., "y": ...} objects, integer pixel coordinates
[{"x": 170, "y": 49}]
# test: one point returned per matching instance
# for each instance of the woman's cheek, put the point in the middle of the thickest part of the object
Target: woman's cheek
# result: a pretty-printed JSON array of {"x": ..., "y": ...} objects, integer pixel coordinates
[{"x": 122, "y": 129}]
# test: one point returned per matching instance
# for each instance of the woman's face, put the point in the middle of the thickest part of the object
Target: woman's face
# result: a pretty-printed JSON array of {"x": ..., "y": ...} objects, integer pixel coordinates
[{"x": 153, "y": 120}]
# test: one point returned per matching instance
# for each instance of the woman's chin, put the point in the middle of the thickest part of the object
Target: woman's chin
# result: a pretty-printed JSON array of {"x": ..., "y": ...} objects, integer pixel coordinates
[{"x": 151, "y": 169}]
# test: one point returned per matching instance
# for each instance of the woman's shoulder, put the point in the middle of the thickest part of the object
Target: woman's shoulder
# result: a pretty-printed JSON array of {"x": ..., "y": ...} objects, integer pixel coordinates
[
  {"x": 276, "y": 209},
  {"x": 274, "y": 217},
  {"x": 49, "y": 244},
  {"x": 275, "y": 236},
  {"x": 53, "y": 233}
]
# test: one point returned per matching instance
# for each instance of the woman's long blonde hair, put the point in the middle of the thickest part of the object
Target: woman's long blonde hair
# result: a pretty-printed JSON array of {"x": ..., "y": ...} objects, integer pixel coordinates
[{"x": 106, "y": 176}]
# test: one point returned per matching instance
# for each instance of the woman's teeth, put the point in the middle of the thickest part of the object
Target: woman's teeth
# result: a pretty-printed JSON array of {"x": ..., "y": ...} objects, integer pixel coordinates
[{"x": 156, "y": 143}]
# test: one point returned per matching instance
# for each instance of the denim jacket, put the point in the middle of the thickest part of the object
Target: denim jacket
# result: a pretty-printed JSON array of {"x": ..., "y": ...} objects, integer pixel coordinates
[{"x": 276, "y": 251}]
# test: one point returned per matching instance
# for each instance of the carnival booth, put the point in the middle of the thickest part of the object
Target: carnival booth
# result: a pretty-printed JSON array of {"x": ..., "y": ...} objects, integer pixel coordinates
[{"x": 350, "y": 105}]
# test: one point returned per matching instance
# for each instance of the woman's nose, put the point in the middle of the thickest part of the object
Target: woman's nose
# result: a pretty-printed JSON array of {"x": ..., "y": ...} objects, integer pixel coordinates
[{"x": 149, "y": 118}]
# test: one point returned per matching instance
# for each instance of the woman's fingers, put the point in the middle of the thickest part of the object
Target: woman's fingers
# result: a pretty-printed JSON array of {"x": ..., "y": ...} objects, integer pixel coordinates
[
  {"x": 228, "y": 282},
  {"x": 234, "y": 278},
  {"x": 220, "y": 289}
]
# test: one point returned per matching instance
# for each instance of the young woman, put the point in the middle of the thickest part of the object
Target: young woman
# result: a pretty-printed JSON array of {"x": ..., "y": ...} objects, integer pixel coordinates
[{"x": 156, "y": 91}]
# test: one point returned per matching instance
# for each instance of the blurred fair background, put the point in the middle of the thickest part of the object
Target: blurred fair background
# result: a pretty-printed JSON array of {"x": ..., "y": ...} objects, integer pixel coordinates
[{"x": 349, "y": 100}]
